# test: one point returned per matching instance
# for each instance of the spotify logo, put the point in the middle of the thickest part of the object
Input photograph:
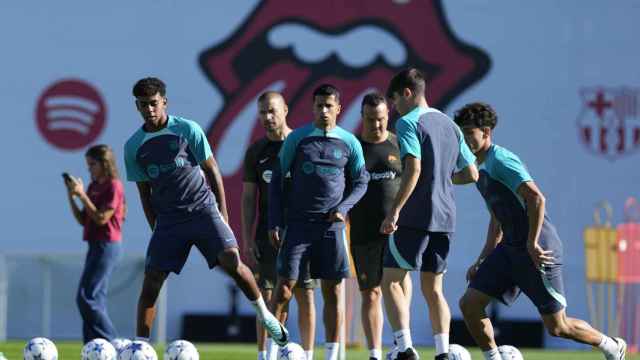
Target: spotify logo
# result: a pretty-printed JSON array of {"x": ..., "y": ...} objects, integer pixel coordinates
[{"x": 70, "y": 114}]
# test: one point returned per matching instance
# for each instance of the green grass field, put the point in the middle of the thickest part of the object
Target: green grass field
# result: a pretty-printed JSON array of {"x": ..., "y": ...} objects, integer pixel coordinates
[{"x": 71, "y": 350}]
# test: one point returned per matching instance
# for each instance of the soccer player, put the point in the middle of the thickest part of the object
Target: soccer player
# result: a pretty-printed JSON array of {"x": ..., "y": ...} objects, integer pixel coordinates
[
  {"x": 259, "y": 162},
  {"x": 327, "y": 178},
  {"x": 171, "y": 162},
  {"x": 522, "y": 251},
  {"x": 382, "y": 161},
  {"x": 421, "y": 218}
]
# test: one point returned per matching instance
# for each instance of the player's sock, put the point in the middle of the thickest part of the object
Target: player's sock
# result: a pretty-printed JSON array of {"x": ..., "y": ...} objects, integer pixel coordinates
[
  {"x": 375, "y": 353},
  {"x": 308, "y": 354},
  {"x": 403, "y": 338},
  {"x": 260, "y": 307},
  {"x": 272, "y": 349},
  {"x": 609, "y": 346},
  {"x": 442, "y": 343},
  {"x": 492, "y": 354},
  {"x": 141, "y": 338},
  {"x": 262, "y": 355},
  {"x": 331, "y": 351}
]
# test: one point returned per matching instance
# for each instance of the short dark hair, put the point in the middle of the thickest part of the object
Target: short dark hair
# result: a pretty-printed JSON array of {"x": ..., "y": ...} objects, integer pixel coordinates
[
  {"x": 268, "y": 95},
  {"x": 411, "y": 78},
  {"x": 148, "y": 87},
  {"x": 476, "y": 114},
  {"x": 372, "y": 99},
  {"x": 327, "y": 90}
]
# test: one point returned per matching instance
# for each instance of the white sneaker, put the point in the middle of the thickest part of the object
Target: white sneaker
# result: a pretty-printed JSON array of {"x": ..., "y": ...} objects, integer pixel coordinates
[{"x": 622, "y": 350}]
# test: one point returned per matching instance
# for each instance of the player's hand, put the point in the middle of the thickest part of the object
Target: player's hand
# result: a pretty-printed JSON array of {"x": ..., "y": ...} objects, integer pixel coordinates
[
  {"x": 336, "y": 216},
  {"x": 274, "y": 236},
  {"x": 389, "y": 225},
  {"x": 539, "y": 256}
]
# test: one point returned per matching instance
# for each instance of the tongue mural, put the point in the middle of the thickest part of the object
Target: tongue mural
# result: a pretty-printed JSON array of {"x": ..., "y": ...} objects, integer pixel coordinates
[{"x": 293, "y": 46}]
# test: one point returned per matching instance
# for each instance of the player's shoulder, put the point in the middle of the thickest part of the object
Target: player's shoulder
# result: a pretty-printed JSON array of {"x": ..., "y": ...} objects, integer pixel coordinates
[
  {"x": 392, "y": 139},
  {"x": 300, "y": 132},
  {"x": 182, "y": 124},
  {"x": 348, "y": 137},
  {"x": 257, "y": 146},
  {"x": 135, "y": 140},
  {"x": 500, "y": 156}
]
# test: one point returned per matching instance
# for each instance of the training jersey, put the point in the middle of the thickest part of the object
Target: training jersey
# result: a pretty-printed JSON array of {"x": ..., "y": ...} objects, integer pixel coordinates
[
  {"x": 501, "y": 174},
  {"x": 104, "y": 196},
  {"x": 259, "y": 162},
  {"x": 169, "y": 160},
  {"x": 382, "y": 161},
  {"x": 327, "y": 173},
  {"x": 434, "y": 139}
]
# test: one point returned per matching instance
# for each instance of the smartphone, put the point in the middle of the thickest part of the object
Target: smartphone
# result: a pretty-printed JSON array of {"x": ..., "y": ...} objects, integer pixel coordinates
[{"x": 66, "y": 176}]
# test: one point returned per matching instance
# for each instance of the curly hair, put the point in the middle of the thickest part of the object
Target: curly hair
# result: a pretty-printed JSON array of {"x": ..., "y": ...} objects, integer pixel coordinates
[
  {"x": 476, "y": 114},
  {"x": 149, "y": 87},
  {"x": 104, "y": 155}
]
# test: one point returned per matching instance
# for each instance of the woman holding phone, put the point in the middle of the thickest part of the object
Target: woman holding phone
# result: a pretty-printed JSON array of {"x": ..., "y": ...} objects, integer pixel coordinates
[{"x": 101, "y": 215}]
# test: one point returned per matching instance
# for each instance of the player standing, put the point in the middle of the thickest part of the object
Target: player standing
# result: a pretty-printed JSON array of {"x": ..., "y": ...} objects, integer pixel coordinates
[
  {"x": 327, "y": 178},
  {"x": 422, "y": 216},
  {"x": 523, "y": 251},
  {"x": 260, "y": 160},
  {"x": 167, "y": 158},
  {"x": 382, "y": 161}
]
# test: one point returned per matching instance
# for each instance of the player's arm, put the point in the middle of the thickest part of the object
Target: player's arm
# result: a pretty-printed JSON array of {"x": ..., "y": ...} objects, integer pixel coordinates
[
  {"x": 248, "y": 213},
  {"x": 535, "y": 204},
  {"x": 144, "y": 190},
  {"x": 466, "y": 163},
  {"x": 358, "y": 178},
  {"x": 410, "y": 174},
  {"x": 410, "y": 153},
  {"x": 494, "y": 237},
  {"x": 214, "y": 177}
]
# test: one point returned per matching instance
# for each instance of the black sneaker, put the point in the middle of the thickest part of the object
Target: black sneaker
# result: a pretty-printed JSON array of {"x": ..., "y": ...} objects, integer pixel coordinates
[
  {"x": 444, "y": 356},
  {"x": 409, "y": 354}
]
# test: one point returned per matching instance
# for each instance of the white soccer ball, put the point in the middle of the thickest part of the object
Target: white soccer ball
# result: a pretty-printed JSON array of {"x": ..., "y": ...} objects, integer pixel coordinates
[
  {"x": 120, "y": 344},
  {"x": 291, "y": 351},
  {"x": 138, "y": 350},
  {"x": 509, "y": 352},
  {"x": 40, "y": 349},
  {"x": 98, "y": 349},
  {"x": 181, "y": 350},
  {"x": 458, "y": 352}
]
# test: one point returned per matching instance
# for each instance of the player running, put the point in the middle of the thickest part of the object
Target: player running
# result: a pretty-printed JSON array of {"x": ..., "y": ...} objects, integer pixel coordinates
[
  {"x": 382, "y": 161},
  {"x": 421, "y": 218},
  {"x": 327, "y": 178},
  {"x": 171, "y": 162},
  {"x": 259, "y": 162},
  {"x": 523, "y": 251}
]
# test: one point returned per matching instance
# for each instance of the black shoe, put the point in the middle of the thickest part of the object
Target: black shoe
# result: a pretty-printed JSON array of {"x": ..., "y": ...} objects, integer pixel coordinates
[
  {"x": 409, "y": 354},
  {"x": 444, "y": 356}
]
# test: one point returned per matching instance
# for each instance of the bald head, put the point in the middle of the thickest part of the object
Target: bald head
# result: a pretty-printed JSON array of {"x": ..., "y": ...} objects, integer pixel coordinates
[{"x": 272, "y": 111}]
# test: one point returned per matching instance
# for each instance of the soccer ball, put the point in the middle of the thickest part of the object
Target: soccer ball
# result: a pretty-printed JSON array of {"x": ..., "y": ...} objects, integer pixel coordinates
[
  {"x": 138, "y": 350},
  {"x": 40, "y": 349},
  {"x": 181, "y": 350},
  {"x": 458, "y": 352},
  {"x": 509, "y": 352},
  {"x": 120, "y": 344},
  {"x": 98, "y": 349},
  {"x": 291, "y": 351}
]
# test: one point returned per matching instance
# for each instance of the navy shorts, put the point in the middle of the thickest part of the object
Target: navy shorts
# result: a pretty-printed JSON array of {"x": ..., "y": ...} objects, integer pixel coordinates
[
  {"x": 170, "y": 243},
  {"x": 321, "y": 244},
  {"x": 509, "y": 270},
  {"x": 416, "y": 249}
]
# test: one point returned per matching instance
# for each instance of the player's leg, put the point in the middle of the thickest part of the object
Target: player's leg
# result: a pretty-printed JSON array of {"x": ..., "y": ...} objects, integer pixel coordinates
[
  {"x": 266, "y": 279},
  {"x": 368, "y": 264},
  {"x": 304, "y": 294},
  {"x": 492, "y": 280},
  {"x": 91, "y": 298},
  {"x": 151, "y": 286},
  {"x": 434, "y": 265}
]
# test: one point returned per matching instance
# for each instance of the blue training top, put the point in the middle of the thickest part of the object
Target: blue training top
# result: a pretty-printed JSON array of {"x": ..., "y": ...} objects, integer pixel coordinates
[
  {"x": 501, "y": 174},
  {"x": 434, "y": 139},
  {"x": 169, "y": 160},
  {"x": 327, "y": 173}
]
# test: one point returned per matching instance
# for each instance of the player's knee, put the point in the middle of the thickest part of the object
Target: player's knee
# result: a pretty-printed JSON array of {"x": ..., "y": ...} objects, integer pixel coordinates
[
  {"x": 432, "y": 295},
  {"x": 304, "y": 297},
  {"x": 284, "y": 293},
  {"x": 151, "y": 285},
  {"x": 372, "y": 296},
  {"x": 559, "y": 330},
  {"x": 468, "y": 306},
  {"x": 230, "y": 262}
]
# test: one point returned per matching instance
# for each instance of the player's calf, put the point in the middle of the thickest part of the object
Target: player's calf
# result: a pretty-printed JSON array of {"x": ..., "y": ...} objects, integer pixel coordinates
[{"x": 151, "y": 286}]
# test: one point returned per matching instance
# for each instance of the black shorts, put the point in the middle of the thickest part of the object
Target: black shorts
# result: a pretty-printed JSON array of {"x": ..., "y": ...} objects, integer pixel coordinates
[{"x": 367, "y": 258}]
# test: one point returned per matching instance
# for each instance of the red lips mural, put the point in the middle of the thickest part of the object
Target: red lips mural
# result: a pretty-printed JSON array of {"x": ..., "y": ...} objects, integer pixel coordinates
[{"x": 293, "y": 46}]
